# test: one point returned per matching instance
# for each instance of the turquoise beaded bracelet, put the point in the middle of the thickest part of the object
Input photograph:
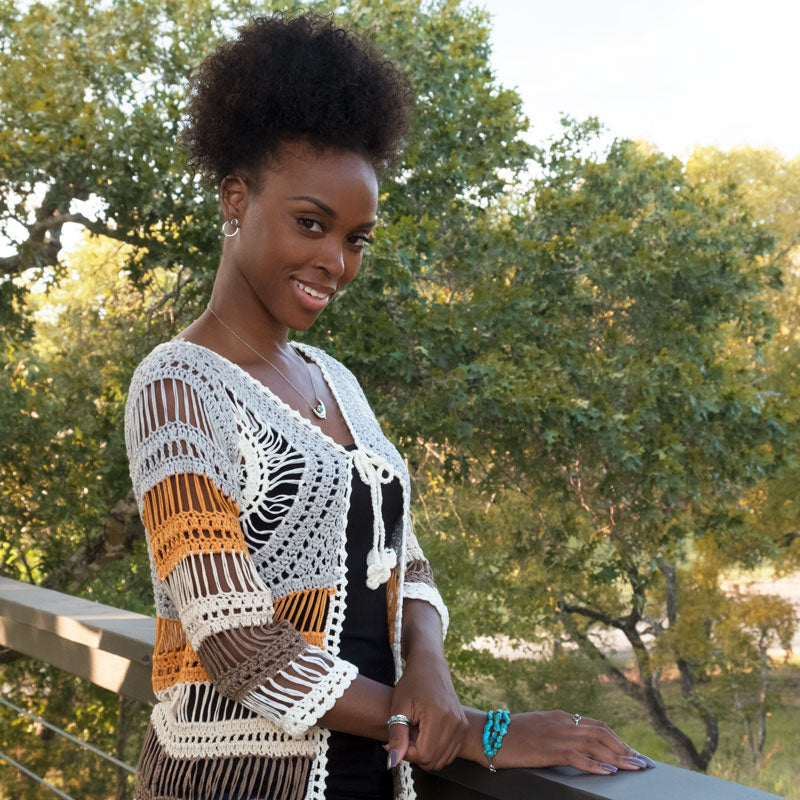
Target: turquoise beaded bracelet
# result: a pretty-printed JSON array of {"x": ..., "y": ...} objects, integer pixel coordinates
[{"x": 493, "y": 732}]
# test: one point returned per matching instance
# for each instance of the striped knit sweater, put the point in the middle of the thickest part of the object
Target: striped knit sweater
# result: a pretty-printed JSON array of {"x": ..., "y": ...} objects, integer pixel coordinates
[{"x": 244, "y": 503}]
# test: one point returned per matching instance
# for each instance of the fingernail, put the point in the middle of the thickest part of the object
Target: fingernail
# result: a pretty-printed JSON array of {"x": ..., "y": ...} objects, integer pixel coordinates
[
  {"x": 648, "y": 761},
  {"x": 609, "y": 767},
  {"x": 637, "y": 760},
  {"x": 394, "y": 757}
]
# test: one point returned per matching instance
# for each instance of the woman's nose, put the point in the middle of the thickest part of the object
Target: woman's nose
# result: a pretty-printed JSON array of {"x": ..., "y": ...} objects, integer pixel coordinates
[{"x": 331, "y": 259}]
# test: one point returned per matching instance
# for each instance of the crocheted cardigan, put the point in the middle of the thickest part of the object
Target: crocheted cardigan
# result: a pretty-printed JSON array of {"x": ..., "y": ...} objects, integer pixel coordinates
[{"x": 244, "y": 503}]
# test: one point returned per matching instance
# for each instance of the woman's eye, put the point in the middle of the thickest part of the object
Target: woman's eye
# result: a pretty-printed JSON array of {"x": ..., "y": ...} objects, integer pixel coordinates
[
  {"x": 310, "y": 224},
  {"x": 361, "y": 239}
]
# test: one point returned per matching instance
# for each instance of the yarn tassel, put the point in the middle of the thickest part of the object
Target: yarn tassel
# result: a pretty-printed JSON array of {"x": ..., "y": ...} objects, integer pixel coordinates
[{"x": 161, "y": 777}]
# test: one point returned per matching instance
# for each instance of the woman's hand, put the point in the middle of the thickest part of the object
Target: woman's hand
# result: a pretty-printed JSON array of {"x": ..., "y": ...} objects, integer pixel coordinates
[
  {"x": 426, "y": 696},
  {"x": 551, "y": 738}
]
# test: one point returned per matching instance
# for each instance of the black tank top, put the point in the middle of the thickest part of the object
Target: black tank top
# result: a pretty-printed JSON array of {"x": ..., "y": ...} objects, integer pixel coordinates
[{"x": 357, "y": 765}]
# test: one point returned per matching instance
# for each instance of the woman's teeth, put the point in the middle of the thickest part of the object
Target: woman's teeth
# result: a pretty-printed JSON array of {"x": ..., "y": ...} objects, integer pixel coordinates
[{"x": 312, "y": 292}]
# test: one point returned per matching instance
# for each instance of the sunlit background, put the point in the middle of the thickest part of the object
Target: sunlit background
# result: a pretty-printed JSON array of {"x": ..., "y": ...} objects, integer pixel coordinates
[{"x": 677, "y": 73}]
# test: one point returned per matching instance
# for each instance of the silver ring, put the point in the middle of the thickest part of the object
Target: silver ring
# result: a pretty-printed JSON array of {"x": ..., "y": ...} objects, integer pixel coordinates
[
  {"x": 234, "y": 223},
  {"x": 398, "y": 719},
  {"x": 576, "y": 718}
]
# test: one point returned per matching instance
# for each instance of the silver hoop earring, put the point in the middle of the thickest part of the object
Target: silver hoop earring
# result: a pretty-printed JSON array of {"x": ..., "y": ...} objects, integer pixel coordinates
[{"x": 234, "y": 223}]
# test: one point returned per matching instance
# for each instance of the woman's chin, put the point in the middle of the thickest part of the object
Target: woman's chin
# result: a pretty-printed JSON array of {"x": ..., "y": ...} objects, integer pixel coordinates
[{"x": 302, "y": 322}]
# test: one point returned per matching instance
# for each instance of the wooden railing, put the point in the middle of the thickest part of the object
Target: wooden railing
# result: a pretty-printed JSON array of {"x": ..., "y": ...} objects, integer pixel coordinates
[{"x": 113, "y": 649}]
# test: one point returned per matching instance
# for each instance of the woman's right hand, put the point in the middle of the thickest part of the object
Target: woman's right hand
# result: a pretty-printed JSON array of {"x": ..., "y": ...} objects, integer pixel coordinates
[{"x": 551, "y": 738}]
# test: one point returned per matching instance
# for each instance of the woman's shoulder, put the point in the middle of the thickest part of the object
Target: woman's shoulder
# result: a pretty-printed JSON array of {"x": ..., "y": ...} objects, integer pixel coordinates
[
  {"x": 177, "y": 417},
  {"x": 200, "y": 370}
]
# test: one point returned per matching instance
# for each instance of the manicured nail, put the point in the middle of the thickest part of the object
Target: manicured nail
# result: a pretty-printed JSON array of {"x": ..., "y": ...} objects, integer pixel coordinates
[
  {"x": 394, "y": 757},
  {"x": 636, "y": 760},
  {"x": 648, "y": 761},
  {"x": 609, "y": 767}
]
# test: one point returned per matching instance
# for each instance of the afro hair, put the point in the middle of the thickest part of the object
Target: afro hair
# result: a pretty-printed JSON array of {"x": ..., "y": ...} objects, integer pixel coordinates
[{"x": 293, "y": 77}]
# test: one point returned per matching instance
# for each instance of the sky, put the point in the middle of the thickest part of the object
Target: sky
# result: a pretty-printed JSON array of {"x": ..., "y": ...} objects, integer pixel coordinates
[{"x": 677, "y": 73}]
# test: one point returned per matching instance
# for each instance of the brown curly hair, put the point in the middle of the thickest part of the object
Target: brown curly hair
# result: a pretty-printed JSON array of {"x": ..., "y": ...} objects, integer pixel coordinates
[{"x": 293, "y": 77}]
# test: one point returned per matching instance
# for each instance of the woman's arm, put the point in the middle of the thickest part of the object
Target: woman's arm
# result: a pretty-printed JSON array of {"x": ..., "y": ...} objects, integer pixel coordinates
[
  {"x": 425, "y": 694},
  {"x": 551, "y": 738},
  {"x": 219, "y": 606}
]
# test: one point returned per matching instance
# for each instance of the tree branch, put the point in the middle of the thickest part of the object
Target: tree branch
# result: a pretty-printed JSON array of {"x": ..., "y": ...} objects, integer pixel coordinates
[
  {"x": 589, "y": 648},
  {"x": 597, "y": 616},
  {"x": 122, "y": 529}
]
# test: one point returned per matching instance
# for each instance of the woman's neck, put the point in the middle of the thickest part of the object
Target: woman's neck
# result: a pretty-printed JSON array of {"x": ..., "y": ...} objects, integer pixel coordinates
[{"x": 238, "y": 311}]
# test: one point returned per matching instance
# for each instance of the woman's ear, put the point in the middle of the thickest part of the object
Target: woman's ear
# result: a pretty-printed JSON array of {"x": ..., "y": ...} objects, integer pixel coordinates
[{"x": 233, "y": 196}]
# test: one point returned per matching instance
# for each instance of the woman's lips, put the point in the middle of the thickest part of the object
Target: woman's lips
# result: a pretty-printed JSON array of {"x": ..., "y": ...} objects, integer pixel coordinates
[{"x": 311, "y": 297}]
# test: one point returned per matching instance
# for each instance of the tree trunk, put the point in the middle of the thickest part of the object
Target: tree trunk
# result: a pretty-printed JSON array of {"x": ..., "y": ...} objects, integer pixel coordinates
[
  {"x": 762, "y": 699},
  {"x": 687, "y": 673},
  {"x": 646, "y": 692}
]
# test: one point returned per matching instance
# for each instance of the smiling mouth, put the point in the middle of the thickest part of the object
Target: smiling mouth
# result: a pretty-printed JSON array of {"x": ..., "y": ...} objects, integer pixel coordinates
[{"x": 315, "y": 293}]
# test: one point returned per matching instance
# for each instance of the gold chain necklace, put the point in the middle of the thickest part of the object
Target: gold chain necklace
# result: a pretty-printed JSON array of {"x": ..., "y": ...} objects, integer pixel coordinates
[{"x": 318, "y": 408}]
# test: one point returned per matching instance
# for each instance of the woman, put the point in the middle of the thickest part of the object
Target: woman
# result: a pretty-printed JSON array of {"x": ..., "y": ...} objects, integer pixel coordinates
[{"x": 288, "y": 582}]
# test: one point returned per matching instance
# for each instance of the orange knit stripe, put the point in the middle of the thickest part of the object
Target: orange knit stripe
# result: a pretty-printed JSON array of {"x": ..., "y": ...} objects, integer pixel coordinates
[
  {"x": 307, "y": 610},
  {"x": 392, "y": 587},
  {"x": 186, "y": 515},
  {"x": 174, "y": 658}
]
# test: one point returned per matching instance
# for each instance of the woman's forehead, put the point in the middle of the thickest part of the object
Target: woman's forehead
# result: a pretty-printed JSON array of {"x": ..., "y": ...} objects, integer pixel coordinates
[{"x": 335, "y": 176}]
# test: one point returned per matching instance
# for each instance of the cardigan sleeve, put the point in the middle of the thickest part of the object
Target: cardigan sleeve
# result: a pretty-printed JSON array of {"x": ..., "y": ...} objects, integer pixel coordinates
[
  {"x": 419, "y": 583},
  {"x": 185, "y": 483}
]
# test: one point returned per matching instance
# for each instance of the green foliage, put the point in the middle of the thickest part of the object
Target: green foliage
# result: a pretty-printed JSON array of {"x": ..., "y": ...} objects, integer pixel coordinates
[
  {"x": 62, "y": 460},
  {"x": 768, "y": 186},
  {"x": 84, "y": 711},
  {"x": 599, "y": 372}
]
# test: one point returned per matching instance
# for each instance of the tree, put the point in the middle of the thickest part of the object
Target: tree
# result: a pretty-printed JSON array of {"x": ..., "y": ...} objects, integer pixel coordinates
[
  {"x": 768, "y": 186},
  {"x": 603, "y": 364}
]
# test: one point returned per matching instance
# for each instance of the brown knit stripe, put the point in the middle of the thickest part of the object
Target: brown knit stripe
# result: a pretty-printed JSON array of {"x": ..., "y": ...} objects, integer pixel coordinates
[
  {"x": 241, "y": 659},
  {"x": 174, "y": 658},
  {"x": 187, "y": 514},
  {"x": 161, "y": 777},
  {"x": 419, "y": 571},
  {"x": 306, "y": 610}
]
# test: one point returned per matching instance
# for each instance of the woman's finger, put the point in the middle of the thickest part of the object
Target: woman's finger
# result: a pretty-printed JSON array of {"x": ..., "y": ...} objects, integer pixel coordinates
[
  {"x": 447, "y": 757},
  {"x": 599, "y": 751},
  {"x": 397, "y": 746},
  {"x": 434, "y": 749},
  {"x": 587, "y": 764},
  {"x": 437, "y": 745},
  {"x": 607, "y": 736}
]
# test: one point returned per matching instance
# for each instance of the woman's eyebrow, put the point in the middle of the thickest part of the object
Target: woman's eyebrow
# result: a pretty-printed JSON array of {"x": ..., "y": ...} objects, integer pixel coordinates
[
  {"x": 328, "y": 210},
  {"x": 324, "y": 206}
]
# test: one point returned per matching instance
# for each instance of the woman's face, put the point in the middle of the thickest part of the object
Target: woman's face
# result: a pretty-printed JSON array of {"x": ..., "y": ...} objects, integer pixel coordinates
[{"x": 302, "y": 235}]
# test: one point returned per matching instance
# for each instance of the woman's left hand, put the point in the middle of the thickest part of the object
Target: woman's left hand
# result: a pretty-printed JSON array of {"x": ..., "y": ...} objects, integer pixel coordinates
[{"x": 426, "y": 696}]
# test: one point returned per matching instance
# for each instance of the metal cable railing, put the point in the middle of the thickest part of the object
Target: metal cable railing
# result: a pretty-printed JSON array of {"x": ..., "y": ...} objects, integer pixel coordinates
[
  {"x": 35, "y": 777},
  {"x": 65, "y": 735},
  {"x": 58, "y": 629}
]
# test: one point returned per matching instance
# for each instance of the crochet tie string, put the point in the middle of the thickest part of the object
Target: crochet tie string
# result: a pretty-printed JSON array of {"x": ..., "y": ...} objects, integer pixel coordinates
[{"x": 375, "y": 471}]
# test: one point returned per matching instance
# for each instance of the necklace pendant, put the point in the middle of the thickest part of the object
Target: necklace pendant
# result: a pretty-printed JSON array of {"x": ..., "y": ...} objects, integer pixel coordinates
[{"x": 319, "y": 409}]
